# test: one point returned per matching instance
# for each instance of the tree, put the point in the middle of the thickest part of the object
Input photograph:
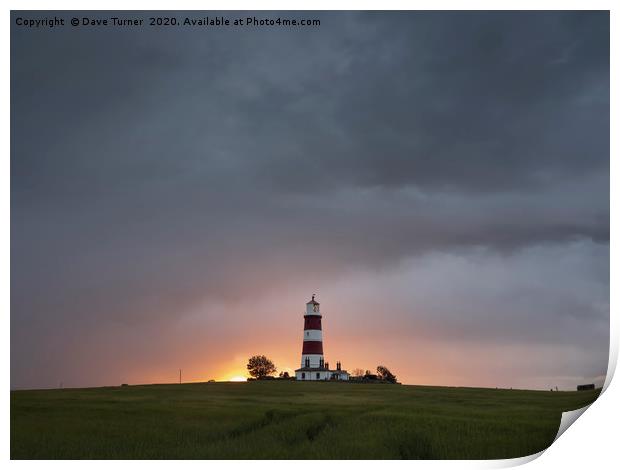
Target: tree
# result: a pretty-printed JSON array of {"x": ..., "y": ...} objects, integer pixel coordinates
[
  {"x": 260, "y": 367},
  {"x": 385, "y": 374},
  {"x": 284, "y": 375},
  {"x": 358, "y": 372}
]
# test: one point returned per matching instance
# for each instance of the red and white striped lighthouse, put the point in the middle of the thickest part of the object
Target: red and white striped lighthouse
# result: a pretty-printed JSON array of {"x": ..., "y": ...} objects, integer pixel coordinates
[
  {"x": 312, "y": 351},
  {"x": 313, "y": 365}
]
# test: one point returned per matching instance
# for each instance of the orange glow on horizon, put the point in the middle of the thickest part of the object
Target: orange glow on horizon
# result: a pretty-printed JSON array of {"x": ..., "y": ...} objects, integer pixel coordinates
[
  {"x": 233, "y": 374},
  {"x": 414, "y": 359},
  {"x": 237, "y": 378}
]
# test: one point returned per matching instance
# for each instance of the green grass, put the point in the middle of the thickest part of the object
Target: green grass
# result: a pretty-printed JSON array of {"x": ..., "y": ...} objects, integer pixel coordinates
[{"x": 265, "y": 420}]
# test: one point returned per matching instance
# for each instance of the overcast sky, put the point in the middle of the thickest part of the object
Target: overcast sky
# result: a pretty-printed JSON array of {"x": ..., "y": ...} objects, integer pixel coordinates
[{"x": 439, "y": 180}]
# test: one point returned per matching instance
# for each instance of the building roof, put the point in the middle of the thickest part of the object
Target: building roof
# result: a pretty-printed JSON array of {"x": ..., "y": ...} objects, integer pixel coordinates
[
  {"x": 313, "y": 302},
  {"x": 320, "y": 369}
]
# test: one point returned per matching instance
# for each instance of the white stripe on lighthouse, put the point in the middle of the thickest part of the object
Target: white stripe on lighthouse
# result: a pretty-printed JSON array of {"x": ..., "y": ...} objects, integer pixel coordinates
[
  {"x": 313, "y": 335},
  {"x": 315, "y": 360}
]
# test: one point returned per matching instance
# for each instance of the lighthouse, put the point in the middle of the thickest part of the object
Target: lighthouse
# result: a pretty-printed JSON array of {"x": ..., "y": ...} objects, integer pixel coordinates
[{"x": 313, "y": 364}]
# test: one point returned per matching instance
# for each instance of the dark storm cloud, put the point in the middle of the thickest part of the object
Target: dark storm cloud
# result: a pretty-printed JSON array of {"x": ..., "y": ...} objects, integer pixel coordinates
[
  {"x": 475, "y": 101},
  {"x": 155, "y": 168}
]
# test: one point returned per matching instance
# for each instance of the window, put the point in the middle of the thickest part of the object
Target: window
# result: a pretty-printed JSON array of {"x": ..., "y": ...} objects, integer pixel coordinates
[
  {"x": 315, "y": 308},
  {"x": 303, "y": 376},
  {"x": 318, "y": 375}
]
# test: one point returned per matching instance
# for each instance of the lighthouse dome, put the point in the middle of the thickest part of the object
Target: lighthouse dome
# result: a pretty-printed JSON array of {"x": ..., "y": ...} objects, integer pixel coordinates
[{"x": 312, "y": 306}]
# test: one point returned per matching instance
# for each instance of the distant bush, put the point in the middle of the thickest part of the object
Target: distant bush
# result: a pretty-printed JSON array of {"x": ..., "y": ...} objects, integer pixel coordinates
[{"x": 385, "y": 374}]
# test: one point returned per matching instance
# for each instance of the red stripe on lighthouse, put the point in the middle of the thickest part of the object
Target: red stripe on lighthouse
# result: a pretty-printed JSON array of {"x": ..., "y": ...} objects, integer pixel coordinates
[
  {"x": 312, "y": 322},
  {"x": 313, "y": 347}
]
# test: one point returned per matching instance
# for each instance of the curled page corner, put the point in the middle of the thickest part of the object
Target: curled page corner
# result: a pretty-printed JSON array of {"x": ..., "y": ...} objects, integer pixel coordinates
[{"x": 568, "y": 418}]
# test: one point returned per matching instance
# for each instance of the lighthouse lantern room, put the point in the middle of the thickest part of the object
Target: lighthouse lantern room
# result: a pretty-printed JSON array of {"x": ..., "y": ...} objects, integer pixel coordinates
[{"x": 313, "y": 364}]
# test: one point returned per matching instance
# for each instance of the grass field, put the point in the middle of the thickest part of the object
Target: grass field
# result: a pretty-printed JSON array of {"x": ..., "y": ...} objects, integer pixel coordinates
[{"x": 285, "y": 420}]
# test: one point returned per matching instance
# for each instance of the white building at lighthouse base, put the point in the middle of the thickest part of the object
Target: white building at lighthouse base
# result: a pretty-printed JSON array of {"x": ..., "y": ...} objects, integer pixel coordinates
[{"x": 315, "y": 373}]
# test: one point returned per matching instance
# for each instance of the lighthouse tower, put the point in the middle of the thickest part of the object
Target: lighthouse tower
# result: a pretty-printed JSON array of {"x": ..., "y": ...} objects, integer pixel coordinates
[{"x": 313, "y": 365}]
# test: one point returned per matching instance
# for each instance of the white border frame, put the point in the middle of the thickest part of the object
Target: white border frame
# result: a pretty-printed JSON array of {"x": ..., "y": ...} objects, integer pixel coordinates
[{"x": 586, "y": 445}]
